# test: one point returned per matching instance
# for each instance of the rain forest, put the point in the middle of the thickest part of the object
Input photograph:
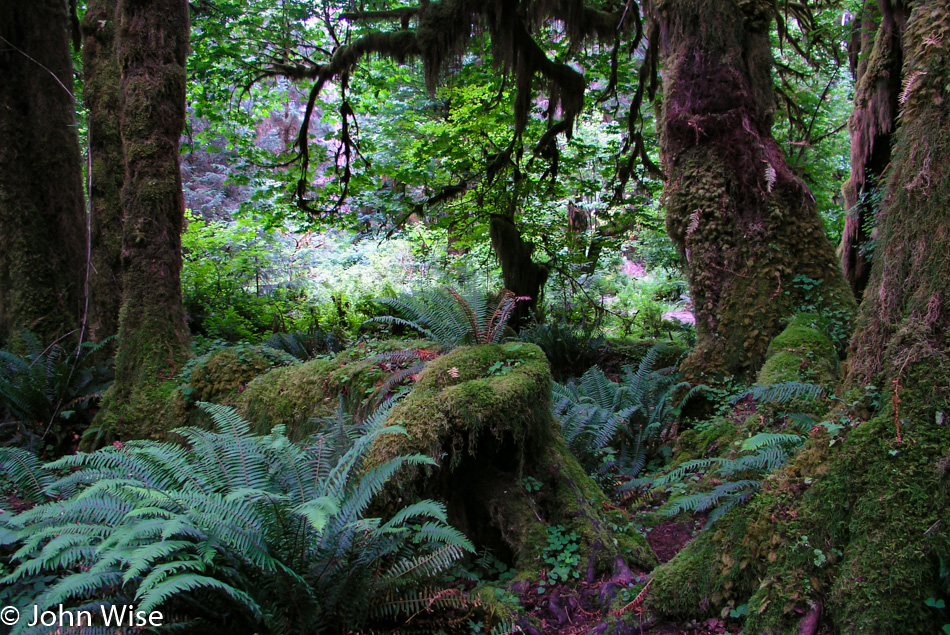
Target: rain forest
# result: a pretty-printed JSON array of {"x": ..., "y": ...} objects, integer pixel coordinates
[{"x": 552, "y": 317}]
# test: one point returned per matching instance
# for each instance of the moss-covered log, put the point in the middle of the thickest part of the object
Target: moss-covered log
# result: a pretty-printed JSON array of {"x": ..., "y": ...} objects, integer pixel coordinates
[
  {"x": 746, "y": 225},
  {"x": 483, "y": 414},
  {"x": 850, "y": 536},
  {"x": 42, "y": 235},
  {"x": 151, "y": 46}
]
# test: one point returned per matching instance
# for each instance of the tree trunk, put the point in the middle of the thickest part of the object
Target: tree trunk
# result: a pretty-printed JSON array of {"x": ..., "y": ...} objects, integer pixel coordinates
[
  {"x": 42, "y": 235},
  {"x": 151, "y": 46},
  {"x": 877, "y": 58},
  {"x": 856, "y": 528},
  {"x": 521, "y": 275},
  {"x": 101, "y": 95},
  {"x": 747, "y": 226}
]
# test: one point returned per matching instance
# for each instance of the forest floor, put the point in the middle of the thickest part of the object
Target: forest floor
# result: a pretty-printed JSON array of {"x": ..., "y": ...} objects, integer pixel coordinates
[{"x": 575, "y": 609}]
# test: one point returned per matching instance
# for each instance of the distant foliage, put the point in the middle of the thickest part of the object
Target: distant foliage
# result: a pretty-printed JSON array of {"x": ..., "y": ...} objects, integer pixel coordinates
[
  {"x": 45, "y": 391},
  {"x": 453, "y": 318},
  {"x": 305, "y": 345},
  {"x": 232, "y": 532},
  {"x": 569, "y": 350},
  {"x": 613, "y": 426}
]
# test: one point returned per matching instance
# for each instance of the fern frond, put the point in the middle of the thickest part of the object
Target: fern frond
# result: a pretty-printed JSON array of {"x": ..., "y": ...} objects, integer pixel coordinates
[{"x": 781, "y": 393}]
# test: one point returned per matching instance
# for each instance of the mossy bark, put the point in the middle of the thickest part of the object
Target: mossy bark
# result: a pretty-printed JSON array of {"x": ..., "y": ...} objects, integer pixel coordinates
[
  {"x": 877, "y": 55},
  {"x": 101, "y": 96},
  {"x": 483, "y": 413},
  {"x": 850, "y": 536},
  {"x": 42, "y": 226},
  {"x": 151, "y": 46},
  {"x": 744, "y": 222}
]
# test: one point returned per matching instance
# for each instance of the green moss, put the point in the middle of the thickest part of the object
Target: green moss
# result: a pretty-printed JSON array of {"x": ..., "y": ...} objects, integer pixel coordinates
[
  {"x": 483, "y": 413},
  {"x": 710, "y": 440},
  {"x": 149, "y": 413},
  {"x": 854, "y": 524},
  {"x": 288, "y": 396}
]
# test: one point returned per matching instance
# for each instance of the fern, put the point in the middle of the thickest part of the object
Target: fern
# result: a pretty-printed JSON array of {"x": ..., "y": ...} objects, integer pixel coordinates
[
  {"x": 44, "y": 387},
  {"x": 453, "y": 318},
  {"x": 781, "y": 393},
  {"x": 766, "y": 452},
  {"x": 612, "y": 427},
  {"x": 272, "y": 532}
]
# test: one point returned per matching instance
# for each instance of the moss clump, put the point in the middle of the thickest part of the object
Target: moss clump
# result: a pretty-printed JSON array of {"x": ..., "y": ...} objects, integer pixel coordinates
[
  {"x": 294, "y": 395},
  {"x": 700, "y": 443},
  {"x": 803, "y": 352},
  {"x": 483, "y": 413},
  {"x": 221, "y": 374}
]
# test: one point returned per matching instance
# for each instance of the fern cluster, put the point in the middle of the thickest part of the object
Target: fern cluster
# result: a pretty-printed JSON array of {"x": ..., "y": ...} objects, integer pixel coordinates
[
  {"x": 612, "y": 426},
  {"x": 235, "y": 531},
  {"x": 761, "y": 454},
  {"x": 43, "y": 387},
  {"x": 764, "y": 453},
  {"x": 305, "y": 345},
  {"x": 453, "y": 318}
]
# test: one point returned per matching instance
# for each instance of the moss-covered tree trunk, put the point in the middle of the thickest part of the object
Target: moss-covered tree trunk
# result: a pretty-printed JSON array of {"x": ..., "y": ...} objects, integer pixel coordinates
[
  {"x": 850, "y": 536},
  {"x": 747, "y": 227},
  {"x": 151, "y": 46},
  {"x": 877, "y": 57},
  {"x": 42, "y": 236},
  {"x": 101, "y": 96}
]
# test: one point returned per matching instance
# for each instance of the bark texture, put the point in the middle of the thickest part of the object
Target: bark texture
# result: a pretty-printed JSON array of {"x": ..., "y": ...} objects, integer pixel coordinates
[
  {"x": 877, "y": 56},
  {"x": 101, "y": 95},
  {"x": 521, "y": 275},
  {"x": 42, "y": 236},
  {"x": 856, "y": 527},
  {"x": 151, "y": 46},
  {"x": 747, "y": 226}
]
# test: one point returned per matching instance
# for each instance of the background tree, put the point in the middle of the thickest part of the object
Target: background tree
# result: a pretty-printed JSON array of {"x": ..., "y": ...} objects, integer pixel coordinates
[
  {"x": 42, "y": 236},
  {"x": 151, "y": 45}
]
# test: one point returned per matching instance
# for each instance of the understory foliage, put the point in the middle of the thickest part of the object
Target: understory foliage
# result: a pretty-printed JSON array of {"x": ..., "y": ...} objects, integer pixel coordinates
[
  {"x": 612, "y": 427},
  {"x": 739, "y": 475},
  {"x": 453, "y": 318},
  {"x": 44, "y": 388},
  {"x": 235, "y": 532}
]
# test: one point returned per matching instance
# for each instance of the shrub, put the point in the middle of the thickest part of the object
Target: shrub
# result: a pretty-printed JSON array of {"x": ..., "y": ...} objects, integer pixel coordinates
[{"x": 233, "y": 531}]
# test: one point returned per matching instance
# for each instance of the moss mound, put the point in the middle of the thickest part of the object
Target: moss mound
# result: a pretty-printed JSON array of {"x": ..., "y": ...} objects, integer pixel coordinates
[
  {"x": 220, "y": 375},
  {"x": 802, "y": 352},
  {"x": 483, "y": 413},
  {"x": 295, "y": 395}
]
